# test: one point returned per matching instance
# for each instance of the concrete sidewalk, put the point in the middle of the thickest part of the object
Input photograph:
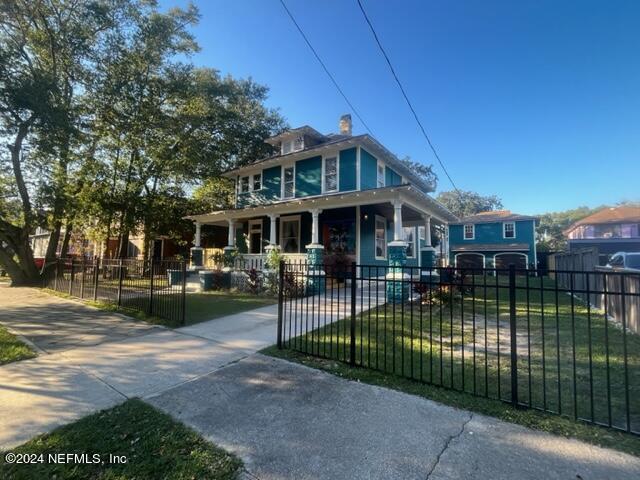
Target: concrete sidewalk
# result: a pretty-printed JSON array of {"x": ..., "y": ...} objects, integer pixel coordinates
[
  {"x": 287, "y": 421},
  {"x": 130, "y": 359}
]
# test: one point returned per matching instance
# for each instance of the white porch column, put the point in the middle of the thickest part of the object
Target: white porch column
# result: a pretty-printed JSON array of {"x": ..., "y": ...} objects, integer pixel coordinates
[
  {"x": 427, "y": 230},
  {"x": 232, "y": 234},
  {"x": 197, "y": 239},
  {"x": 397, "y": 222},
  {"x": 315, "y": 213},
  {"x": 272, "y": 230}
]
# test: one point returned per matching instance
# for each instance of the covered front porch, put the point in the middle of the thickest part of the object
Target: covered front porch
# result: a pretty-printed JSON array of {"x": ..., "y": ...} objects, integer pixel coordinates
[{"x": 362, "y": 227}]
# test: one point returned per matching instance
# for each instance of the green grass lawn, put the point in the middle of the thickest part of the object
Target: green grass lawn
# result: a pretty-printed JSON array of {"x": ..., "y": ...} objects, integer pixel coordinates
[
  {"x": 12, "y": 349},
  {"x": 210, "y": 305},
  {"x": 445, "y": 344},
  {"x": 153, "y": 444},
  {"x": 167, "y": 306}
]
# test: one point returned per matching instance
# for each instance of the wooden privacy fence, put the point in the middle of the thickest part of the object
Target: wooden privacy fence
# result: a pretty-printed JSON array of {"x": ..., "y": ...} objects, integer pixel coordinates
[{"x": 607, "y": 290}]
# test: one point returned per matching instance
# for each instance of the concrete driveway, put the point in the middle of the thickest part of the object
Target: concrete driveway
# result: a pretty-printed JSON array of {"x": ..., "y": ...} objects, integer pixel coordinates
[{"x": 287, "y": 421}]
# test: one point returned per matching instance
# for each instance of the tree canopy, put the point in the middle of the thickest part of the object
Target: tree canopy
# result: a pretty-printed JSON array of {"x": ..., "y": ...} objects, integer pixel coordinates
[
  {"x": 107, "y": 126},
  {"x": 465, "y": 203}
]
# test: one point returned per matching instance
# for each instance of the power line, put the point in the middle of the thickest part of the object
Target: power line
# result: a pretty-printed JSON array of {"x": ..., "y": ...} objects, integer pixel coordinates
[
  {"x": 404, "y": 94},
  {"x": 325, "y": 68}
]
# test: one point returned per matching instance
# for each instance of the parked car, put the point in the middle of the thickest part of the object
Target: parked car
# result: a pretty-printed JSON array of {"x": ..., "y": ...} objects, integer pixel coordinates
[{"x": 625, "y": 260}]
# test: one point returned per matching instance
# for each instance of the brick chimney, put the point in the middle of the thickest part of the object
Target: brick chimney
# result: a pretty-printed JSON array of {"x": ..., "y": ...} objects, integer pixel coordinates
[{"x": 345, "y": 124}]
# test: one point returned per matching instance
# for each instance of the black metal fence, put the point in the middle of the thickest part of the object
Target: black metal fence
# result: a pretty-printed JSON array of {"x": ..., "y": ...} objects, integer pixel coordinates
[
  {"x": 153, "y": 287},
  {"x": 503, "y": 334}
]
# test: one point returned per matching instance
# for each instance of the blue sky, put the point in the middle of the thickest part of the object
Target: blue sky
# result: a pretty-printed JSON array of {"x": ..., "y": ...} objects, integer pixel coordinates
[{"x": 537, "y": 102}]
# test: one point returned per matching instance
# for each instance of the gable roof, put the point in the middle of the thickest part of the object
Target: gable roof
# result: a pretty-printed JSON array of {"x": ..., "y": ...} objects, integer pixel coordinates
[
  {"x": 494, "y": 216},
  {"x": 621, "y": 214}
]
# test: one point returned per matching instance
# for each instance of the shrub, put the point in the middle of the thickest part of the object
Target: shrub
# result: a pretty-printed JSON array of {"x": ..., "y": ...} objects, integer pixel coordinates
[{"x": 254, "y": 281}]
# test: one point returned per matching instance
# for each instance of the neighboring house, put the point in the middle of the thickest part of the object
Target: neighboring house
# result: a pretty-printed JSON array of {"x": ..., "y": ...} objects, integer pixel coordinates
[
  {"x": 337, "y": 194},
  {"x": 493, "y": 239},
  {"x": 610, "y": 230},
  {"x": 162, "y": 246},
  {"x": 78, "y": 245}
]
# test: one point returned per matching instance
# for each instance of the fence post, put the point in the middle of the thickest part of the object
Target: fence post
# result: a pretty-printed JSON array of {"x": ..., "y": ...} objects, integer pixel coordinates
[
  {"x": 184, "y": 292},
  {"x": 82, "y": 278},
  {"x": 55, "y": 274},
  {"x": 352, "y": 350},
  {"x": 512, "y": 330},
  {"x": 152, "y": 269},
  {"x": 280, "y": 301},
  {"x": 71, "y": 279},
  {"x": 120, "y": 278},
  {"x": 96, "y": 276}
]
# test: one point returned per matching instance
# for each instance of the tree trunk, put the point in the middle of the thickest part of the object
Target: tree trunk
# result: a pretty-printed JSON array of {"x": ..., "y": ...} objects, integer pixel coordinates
[
  {"x": 64, "y": 250},
  {"x": 123, "y": 247}
]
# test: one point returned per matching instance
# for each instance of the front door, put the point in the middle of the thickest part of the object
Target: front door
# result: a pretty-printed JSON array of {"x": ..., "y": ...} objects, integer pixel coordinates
[{"x": 255, "y": 236}]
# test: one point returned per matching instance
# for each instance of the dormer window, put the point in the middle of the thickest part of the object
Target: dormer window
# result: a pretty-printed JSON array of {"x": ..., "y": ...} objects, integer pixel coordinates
[{"x": 292, "y": 145}]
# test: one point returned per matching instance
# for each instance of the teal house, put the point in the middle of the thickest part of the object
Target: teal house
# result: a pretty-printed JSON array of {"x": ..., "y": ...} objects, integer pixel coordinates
[
  {"x": 321, "y": 197},
  {"x": 493, "y": 239}
]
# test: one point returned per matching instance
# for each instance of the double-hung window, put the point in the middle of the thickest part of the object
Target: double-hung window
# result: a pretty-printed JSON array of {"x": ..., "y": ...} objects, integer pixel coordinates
[
  {"x": 288, "y": 185},
  {"x": 380, "y": 176},
  {"x": 257, "y": 181},
  {"x": 381, "y": 238},
  {"x": 331, "y": 174},
  {"x": 410, "y": 238},
  {"x": 469, "y": 232},
  {"x": 509, "y": 230},
  {"x": 244, "y": 184},
  {"x": 290, "y": 234}
]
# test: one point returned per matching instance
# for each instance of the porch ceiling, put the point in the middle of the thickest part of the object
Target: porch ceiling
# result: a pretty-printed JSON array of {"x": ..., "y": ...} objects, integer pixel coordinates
[{"x": 415, "y": 202}]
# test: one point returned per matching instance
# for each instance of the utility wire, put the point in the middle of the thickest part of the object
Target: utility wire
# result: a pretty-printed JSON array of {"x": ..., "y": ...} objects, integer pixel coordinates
[
  {"x": 325, "y": 68},
  {"x": 404, "y": 94}
]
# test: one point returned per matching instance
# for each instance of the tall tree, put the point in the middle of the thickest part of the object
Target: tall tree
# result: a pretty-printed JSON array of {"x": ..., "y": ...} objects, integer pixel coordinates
[
  {"x": 465, "y": 203},
  {"x": 46, "y": 56}
]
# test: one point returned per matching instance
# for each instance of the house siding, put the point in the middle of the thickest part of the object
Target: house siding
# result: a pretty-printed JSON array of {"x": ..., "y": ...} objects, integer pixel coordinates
[
  {"x": 308, "y": 177},
  {"x": 367, "y": 239},
  {"x": 368, "y": 167},
  {"x": 348, "y": 172},
  {"x": 391, "y": 178},
  {"x": 270, "y": 191},
  {"x": 491, "y": 233}
]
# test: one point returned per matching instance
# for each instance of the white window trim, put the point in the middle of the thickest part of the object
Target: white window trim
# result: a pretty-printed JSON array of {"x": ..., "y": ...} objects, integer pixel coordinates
[
  {"x": 473, "y": 231},
  {"x": 284, "y": 167},
  {"x": 384, "y": 174},
  {"x": 290, "y": 218},
  {"x": 292, "y": 141},
  {"x": 251, "y": 224},
  {"x": 324, "y": 176},
  {"x": 415, "y": 238},
  {"x": 375, "y": 227},
  {"x": 248, "y": 177},
  {"x": 253, "y": 179},
  {"x": 504, "y": 230}
]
